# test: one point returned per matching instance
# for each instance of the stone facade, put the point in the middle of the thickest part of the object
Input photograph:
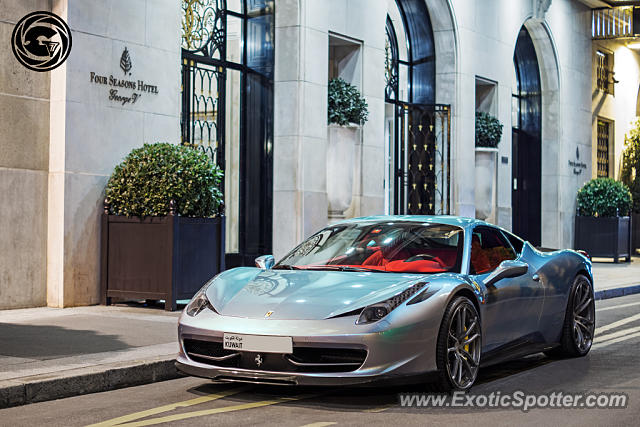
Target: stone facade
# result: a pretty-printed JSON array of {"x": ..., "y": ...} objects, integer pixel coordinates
[
  {"x": 621, "y": 109},
  {"x": 91, "y": 133},
  {"x": 473, "y": 40},
  {"x": 24, "y": 165},
  {"x": 61, "y": 135}
]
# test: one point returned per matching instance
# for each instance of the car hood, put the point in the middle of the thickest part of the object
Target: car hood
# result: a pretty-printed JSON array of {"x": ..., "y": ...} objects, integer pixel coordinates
[{"x": 298, "y": 294}]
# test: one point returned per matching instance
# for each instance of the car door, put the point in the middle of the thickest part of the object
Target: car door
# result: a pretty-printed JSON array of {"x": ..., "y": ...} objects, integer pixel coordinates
[{"x": 512, "y": 305}]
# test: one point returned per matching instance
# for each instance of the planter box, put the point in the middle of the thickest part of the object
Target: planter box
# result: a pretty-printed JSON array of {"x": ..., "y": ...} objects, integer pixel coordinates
[
  {"x": 635, "y": 229},
  {"x": 167, "y": 258},
  {"x": 485, "y": 185},
  {"x": 604, "y": 237},
  {"x": 341, "y": 155}
]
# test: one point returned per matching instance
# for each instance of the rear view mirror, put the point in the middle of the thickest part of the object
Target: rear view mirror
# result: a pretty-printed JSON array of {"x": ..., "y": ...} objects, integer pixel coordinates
[
  {"x": 265, "y": 262},
  {"x": 507, "y": 269}
]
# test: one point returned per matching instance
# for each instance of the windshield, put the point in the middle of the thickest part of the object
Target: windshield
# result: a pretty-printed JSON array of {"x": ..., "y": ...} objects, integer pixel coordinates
[{"x": 406, "y": 247}]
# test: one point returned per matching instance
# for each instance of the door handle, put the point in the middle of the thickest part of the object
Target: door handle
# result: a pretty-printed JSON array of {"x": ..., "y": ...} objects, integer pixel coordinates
[{"x": 536, "y": 277}]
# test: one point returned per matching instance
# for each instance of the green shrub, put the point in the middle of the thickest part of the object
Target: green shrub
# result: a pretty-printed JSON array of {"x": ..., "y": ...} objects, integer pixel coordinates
[
  {"x": 151, "y": 176},
  {"x": 346, "y": 104},
  {"x": 488, "y": 130},
  {"x": 604, "y": 197},
  {"x": 631, "y": 164}
]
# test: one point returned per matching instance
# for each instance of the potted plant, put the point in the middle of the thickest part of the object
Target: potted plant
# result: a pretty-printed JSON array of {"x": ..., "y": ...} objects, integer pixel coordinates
[
  {"x": 631, "y": 178},
  {"x": 488, "y": 135},
  {"x": 162, "y": 226},
  {"x": 603, "y": 225},
  {"x": 347, "y": 111}
]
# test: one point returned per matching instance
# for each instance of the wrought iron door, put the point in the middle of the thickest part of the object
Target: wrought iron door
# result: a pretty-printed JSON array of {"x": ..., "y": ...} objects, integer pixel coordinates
[
  {"x": 526, "y": 194},
  {"x": 422, "y": 160},
  {"x": 228, "y": 52},
  {"x": 420, "y": 152},
  {"x": 203, "y": 102}
]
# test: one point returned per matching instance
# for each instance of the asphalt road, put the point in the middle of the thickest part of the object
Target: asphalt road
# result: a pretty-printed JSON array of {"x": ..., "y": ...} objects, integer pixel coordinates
[{"x": 613, "y": 365}]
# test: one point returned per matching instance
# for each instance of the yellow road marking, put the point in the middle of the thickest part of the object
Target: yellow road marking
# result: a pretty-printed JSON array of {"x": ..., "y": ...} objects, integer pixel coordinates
[
  {"x": 178, "y": 417},
  {"x": 319, "y": 424},
  {"x": 615, "y": 340},
  {"x": 622, "y": 333},
  {"x": 378, "y": 409},
  {"x": 170, "y": 407},
  {"x": 615, "y": 307},
  {"x": 618, "y": 323}
]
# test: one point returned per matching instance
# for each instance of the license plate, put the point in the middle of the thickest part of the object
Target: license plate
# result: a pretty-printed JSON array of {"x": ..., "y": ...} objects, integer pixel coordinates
[{"x": 257, "y": 343}]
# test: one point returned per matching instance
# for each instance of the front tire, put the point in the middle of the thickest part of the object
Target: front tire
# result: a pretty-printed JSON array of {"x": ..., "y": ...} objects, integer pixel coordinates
[
  {"x": 579, "y": 321},
  {"x": 459, "y": 346}
]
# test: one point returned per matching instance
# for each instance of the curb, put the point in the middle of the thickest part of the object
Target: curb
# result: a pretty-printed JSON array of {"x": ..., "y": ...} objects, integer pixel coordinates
[
  {"x": 617, "y": 292},
  {"x": 95, "y": 379}
]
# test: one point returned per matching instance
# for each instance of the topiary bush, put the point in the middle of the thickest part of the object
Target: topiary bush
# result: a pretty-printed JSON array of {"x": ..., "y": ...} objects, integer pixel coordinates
[
  {"x": 151, "y": 176},
  {"x": 488, "y": 130},
  {"x": 604, "y": 197},
  {"x": 630, "y": 174},
  {"x": 346, "y": 104}
]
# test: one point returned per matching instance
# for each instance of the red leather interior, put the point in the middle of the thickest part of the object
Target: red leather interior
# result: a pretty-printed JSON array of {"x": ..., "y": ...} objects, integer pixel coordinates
[
  {"x": 479, "y": 259},
  {"x": 444, "y": 257},
  {"x": 421, "y": 266}
]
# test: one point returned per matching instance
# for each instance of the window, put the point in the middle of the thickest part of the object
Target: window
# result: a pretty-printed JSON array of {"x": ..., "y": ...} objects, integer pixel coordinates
[
  {"x": 604, "y": 128},
  {"x": 488, "y": 249},
  {"x": 516, "y": 242},
  {"x": 604, "y": 71},
  {"x": 400, "y": 247}
]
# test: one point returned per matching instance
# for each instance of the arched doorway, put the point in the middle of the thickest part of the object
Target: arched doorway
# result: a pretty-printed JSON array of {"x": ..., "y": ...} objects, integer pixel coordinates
[
  {"x": 417, "y": 130},
  {"x": 227, "y": 111},
  {"x": 527, "y": 141}
]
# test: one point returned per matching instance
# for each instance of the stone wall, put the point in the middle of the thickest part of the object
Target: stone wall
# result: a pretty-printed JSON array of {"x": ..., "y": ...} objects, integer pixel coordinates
[
  {"x": 486, "y": 34},
  {"x": 303, "y": 28},
  {"x": 473, "y": 40},
  {"x": 91, "y": 133},
  {"x": 24, "y": 161}
]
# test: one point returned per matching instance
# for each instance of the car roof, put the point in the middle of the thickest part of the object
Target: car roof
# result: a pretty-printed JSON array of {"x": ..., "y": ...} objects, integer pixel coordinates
[{"x": 459, "y": 221}]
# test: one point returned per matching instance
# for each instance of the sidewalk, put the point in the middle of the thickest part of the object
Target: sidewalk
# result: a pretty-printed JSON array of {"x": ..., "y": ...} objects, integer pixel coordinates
[
  {"x": 614, "y": 280},
  {"x": 48, "y": 353}
]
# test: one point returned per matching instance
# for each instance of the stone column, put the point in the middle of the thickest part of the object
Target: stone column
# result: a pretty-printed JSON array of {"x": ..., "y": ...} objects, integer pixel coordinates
[
  {"x": 24, "y": 157},
  {"x": 300, "y": 127}
]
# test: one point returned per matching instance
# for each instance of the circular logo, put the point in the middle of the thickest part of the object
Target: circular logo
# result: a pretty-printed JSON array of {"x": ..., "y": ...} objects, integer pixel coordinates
[{"x": 41, "y": 41}]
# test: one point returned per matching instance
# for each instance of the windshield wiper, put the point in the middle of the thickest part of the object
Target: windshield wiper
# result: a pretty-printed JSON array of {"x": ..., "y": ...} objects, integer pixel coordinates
[
  {"x": 285, "y": 267},
  {"x": 344, "y": 268}
]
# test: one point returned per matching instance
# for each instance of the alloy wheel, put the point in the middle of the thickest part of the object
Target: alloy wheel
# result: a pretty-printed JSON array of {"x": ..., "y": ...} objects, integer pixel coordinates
[
  {"x": 463, "y": 346},
  {"x": 583, "y": 316}
]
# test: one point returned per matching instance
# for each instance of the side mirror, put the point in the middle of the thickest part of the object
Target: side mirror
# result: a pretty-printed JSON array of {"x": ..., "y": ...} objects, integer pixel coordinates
[
  {"x": 507, "y": 269},
  {"x": 265, "y": 262}
]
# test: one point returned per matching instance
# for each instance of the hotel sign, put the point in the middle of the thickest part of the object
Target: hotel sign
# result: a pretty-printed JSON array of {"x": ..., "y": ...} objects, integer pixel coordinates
[
  {"x": 577, "y": 166},
  {"x": 124, "y": 90}
]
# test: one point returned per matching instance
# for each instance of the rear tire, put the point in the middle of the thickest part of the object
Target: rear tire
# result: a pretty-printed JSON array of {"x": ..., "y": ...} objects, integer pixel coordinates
[
  {"x": 459, "y": 346},
  {"x": 579, "y": 321}
]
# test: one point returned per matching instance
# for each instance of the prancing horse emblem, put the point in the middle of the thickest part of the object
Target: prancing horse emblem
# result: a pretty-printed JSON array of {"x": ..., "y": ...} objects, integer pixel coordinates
[
  {"x": 258, "y": 360},
  {"x": 269, "y": 313}
]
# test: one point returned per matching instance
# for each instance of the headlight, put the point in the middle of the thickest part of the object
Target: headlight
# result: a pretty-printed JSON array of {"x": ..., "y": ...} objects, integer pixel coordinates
[
  {"x": 199, "y": 302},
  {"x": 375, "y": 312}
]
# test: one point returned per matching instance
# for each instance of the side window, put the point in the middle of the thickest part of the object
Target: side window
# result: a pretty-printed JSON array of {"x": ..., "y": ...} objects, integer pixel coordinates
[
  {"x": 488, "y": 249},
  {"x": 516, "y": 242}
]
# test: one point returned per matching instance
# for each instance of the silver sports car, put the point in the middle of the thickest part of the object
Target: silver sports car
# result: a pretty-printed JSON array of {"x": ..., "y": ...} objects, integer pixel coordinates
[{"x": 393, "y": 298}]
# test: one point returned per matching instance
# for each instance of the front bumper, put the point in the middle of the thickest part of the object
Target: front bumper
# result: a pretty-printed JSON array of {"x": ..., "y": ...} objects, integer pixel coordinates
[{"x": 398, "y": 352}]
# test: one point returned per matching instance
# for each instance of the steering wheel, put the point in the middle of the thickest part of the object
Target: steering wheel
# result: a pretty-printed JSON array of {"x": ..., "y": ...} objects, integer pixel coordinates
[{"x": 423, "y": 257}]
